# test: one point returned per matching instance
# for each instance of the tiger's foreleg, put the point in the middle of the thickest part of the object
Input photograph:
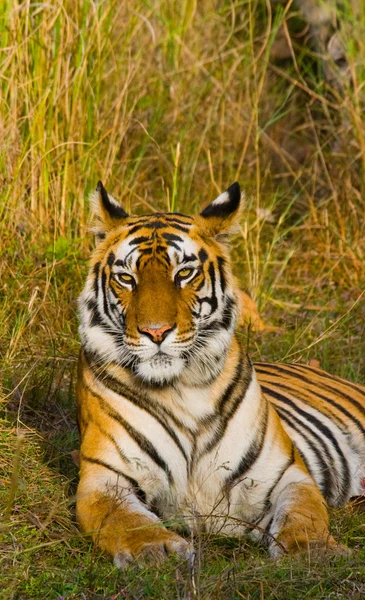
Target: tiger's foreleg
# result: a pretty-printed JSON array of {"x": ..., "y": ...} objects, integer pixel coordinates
[
  {"x": 300, "y": 521},
  {"x": 121, "y": 524}
]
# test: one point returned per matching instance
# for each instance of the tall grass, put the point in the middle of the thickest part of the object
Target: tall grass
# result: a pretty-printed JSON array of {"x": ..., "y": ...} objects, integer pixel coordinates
[
  {"x": 168, "y": 103},
  {"x": 110, "y": 89}
]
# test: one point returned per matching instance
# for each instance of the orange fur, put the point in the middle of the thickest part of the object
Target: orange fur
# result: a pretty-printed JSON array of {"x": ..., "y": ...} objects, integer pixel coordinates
[{"x": 207, "y": 436}]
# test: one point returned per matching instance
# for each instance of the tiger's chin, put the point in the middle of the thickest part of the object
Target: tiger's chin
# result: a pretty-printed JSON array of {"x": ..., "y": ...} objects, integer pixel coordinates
[{"x": 160, "y": 370}]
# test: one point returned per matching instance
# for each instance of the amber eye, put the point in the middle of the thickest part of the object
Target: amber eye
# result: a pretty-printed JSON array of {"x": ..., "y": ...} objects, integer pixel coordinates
[
  {"x": 183, "y": 274},
  {"x": 125, "y": 278}
]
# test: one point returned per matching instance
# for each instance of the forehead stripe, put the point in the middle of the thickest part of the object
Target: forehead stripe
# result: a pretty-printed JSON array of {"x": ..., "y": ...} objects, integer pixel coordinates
[
  {"x": 139, "y": 240},
  {"x": 185, "y": 227},
  {"x": 172, "y": 237},
  {"x": 174, "y": 245},
  {"x": 180, "y": 227},
  {"x": 148, "y": 225},
  {"x": 177, "y": 214},
  {"x": 156, "y": 225}
]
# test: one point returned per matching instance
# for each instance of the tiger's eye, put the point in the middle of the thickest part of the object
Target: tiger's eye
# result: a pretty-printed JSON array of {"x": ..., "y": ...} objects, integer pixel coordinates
[
  {"x": 185, "y": 272},
  {"x": 125, "y": 277}
]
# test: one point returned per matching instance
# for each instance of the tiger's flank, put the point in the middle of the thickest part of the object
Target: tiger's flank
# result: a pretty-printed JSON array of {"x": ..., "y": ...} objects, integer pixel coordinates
[{"x": 176, "y": 422}]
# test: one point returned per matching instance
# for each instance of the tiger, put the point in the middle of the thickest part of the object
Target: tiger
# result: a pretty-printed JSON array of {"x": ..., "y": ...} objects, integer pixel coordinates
[{"x": 180, "y": 431}]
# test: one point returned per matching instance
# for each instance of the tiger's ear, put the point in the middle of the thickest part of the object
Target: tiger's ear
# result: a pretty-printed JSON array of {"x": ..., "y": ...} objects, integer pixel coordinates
[
  {"x": 107, "y": 213},
  {"x": 222, "y": 215}
]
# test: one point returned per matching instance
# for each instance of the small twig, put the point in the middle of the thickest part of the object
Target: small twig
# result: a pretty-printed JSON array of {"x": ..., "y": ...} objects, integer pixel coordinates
[{"x": 15, "y": 475}]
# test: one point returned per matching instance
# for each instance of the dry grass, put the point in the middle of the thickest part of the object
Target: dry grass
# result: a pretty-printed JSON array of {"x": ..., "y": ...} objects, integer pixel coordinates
[{"x": 168, "y": 103}]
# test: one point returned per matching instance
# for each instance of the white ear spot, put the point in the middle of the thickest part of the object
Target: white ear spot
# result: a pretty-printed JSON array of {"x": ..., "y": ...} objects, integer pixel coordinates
[
  {"x": 222, "y": 198},
  {"x": 227, "y": 205},
  {"x": 94, "y": 201}
]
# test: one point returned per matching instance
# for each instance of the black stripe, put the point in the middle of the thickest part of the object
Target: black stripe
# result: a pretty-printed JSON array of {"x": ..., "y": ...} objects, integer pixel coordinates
[
  {"x": 174, "y": 217},
  {"x": 172, "y": 245},
  {"x": 95, "y": 316},
  {"x": 336, "y": 390},
  {"x": 161, "y": 250},
  {"x": 143, "y": 402},
  {"x": 143, "y": 252},
  {"x": 303, "y": 397},
  {"x": 135, "y": 228},
  {"x": 140, "y": 240},
  {"x": 232, "y": 386},
  {"x": 105, "y": 296},
  {"x": 213, "y": 300},
  {"x": 139, "y": 491},
  {"x": 171, "y": 219},
  {"x": 238, "y": 399},
  {"x": 202, "y": 282},
  {"x": 146, "y": 404},
  {"x": 155, "y": 224},
  {"x": 357, "y": 387},
  {"x": 267, "y": 500},
  {"x": 202, "y": 255},
  {"x": 252, "y": 454},
  {"x": 172, "y": 237},
  {"x": 105, "y": 300},
  {"x": 228, "y": 313},
  {"x": 96, "y": 270},
  {"x": 327, "y": 485},
  {"x": 111, "y": 259},
  {"x": 145, "y": 445},
  {"x": 330, "y": 400},
  {"x": 222, "y": 276},
  {"x": 115, "y": 294},
  {"x": 176, "y": 225},
  {"x": 226, "y": 409},
  {"x": 108, "y": 435},
  {"x": 226, "y": 319},
  {"x": 138, "y": 220},
  {"x": 323, "y": 429}
]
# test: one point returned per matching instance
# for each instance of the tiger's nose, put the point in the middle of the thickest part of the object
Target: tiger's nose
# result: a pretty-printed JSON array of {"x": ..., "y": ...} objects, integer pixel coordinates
[{"x": 158, "y": 333}]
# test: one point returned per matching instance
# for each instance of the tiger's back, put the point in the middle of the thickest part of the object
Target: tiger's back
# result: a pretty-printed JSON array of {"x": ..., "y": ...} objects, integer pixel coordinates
[{"x": 325, "y": 416}]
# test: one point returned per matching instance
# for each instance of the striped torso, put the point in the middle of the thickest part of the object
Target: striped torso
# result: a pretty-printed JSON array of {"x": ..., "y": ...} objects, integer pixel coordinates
[
  {"x": 325, "y": 416},
  {"x": 218, "y": 451}
]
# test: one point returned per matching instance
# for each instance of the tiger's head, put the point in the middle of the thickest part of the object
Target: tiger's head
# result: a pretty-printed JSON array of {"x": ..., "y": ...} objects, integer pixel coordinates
[{"x": 160, "y": 297}]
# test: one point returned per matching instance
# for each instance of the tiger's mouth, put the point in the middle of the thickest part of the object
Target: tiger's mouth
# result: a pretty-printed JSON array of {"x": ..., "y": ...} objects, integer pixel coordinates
[{"x": 161, "y": 368}]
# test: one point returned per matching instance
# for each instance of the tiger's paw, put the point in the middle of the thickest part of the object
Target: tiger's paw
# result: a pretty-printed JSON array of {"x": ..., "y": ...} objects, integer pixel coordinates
[
  {"x": 300, "y": 546},
  {"x": 154, "y": 552}
]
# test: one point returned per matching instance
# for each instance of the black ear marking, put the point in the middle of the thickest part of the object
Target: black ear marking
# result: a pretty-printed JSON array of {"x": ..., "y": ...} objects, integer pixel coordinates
[
  {"x": 114, "y": 210},
  {"x": 226, "y": 204},
  {"x": 234, "y": 192}
]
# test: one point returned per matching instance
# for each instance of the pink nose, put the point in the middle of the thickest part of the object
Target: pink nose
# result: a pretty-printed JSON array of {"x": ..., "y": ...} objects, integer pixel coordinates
[{"x": 157, "y": 334}]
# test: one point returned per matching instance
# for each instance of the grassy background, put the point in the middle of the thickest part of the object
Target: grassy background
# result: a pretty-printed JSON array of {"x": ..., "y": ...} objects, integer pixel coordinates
[{"x": 168, "y": 103}]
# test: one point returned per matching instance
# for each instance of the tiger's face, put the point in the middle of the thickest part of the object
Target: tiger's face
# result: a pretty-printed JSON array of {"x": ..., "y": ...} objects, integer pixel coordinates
[{"x": 160, "y": 299}]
